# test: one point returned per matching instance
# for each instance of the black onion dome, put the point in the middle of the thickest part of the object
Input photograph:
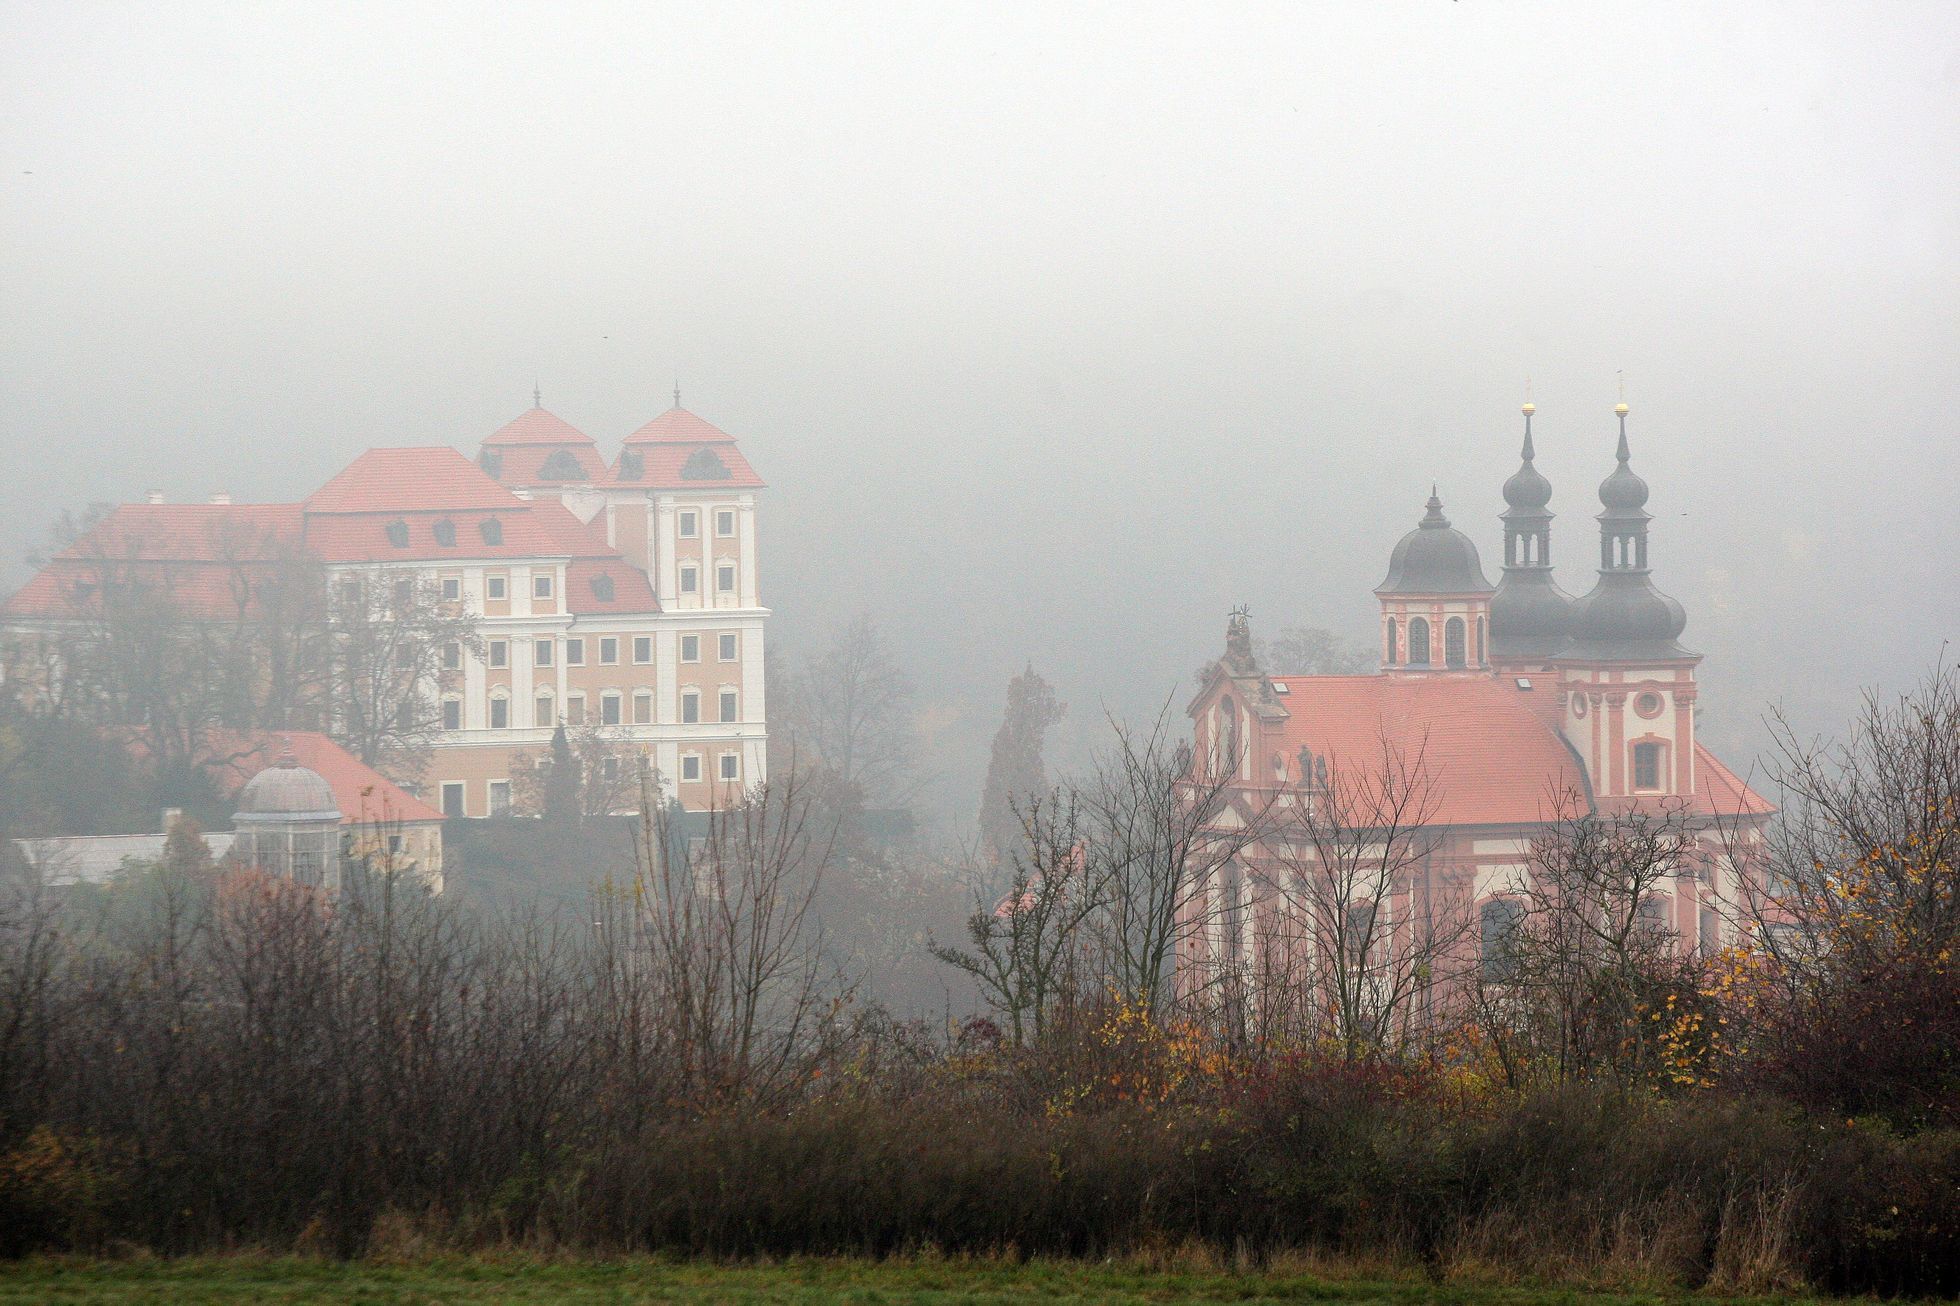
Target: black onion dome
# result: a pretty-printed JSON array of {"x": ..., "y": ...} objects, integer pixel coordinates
[
  {"x": 1529, "y": 614},
  {"x": 1527, "y": 491},
  {"x": 1623, "y": 494},
  {"x": 1434, "y": 558},
  {"x": 1626, "y": 616}
]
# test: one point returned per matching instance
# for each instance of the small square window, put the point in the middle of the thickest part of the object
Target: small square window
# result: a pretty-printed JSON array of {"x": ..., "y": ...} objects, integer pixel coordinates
[
  {"x": 728, "y": 706},
  {"x": 499, "y": 652},
  {"x": 643, "y": 709},
  {"x": 727, "y": 646},
  {"x": 500, "y": 798},
  {"x": 496, "y": 587},
  {"x": 690, "y": 525},
  {"x": 731, "y": 766},
  {"x": 725, "y": 578},
  {"x": 452, "y": 589},
  {"x": 452, "y": 656},
  {"x": 574, "y": 652},
  {"x": 452, "y": 714},
  {"x": 541, "y": 653},
  {"x": 452, "y": 798},
  {"x": 608, "y": 652},
  {"x": 690, "y": 707},
  {"x": 541, "y": 586},
  {"x": 691, "y": 766},
  {"x": 725, "y": 522},
  {"x": 690, "y": 648},
  {"x": 690, "y": 581},
  {"x": 642, "y": 649}
]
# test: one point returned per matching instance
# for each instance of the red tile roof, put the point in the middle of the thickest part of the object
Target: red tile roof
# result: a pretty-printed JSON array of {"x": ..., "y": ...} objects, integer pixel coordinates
[
  {"x": 1488, "y": 758},
  {"x": 666, "y": 467},
  {"x": 678, "y": 426},
  {"x": 363, "y": 795},
  {"x": 628, "y": 584},
  {"x": 430, "y": 479},
  {"x": 1720, "y": 792},
  {"x": 526, "y": 465},
  {"x": 536, "y": 426}
]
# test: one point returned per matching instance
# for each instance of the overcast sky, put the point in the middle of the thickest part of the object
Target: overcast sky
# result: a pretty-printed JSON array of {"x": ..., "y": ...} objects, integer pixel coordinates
[{"x": 1056, "y": 330}]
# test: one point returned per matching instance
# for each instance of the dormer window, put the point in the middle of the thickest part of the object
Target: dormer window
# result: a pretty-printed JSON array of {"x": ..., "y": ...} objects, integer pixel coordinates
[
  {"x": 561, "y": 466},
  {"x": 632, "y": 465},
  {"x": 602, "y": 588},
  {"x": 398, "y": 533},
  {"x": 491, "y": 462},
  {"x": 704, "y": 465},
  {"x": 492, "y": 530},
  {"x": 446, "y": 534}
]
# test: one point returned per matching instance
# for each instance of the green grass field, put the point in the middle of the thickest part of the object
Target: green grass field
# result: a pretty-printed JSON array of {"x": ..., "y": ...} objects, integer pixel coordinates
[{"x": 512, "y": 1279}]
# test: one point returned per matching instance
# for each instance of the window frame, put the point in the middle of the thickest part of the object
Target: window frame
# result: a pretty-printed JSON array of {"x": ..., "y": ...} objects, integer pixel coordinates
[
  {"x": 492, "y": 806},
  {"x": 732, "y": 641},
  {"x": 728, "y": 767},
  {"x": 642, "y": 650},
  {"x": 541, "y": 585},
  {"x": 543, "y": 650},
  {"x": 690, "y": 578},
  {"x": 461, "y": 807},
  {"x": 450, "y": 702},
  {"x": 696, "y": 657},
  {"x": 691, "y": 762},
  {"x": 726, "y": 569},
  {"x": 496, "y": 654},
  {"x": 643, "y": 707},
  {"x": 729, "y": 705},
  {"x": 574, "y": 651},
  {"x": 500, "y": 705},
  {"x": 687, "y": 524},
  {"x": 728, "y": 515},
  {"x": 608, "y": 659},
  {"x": 690, "y": 706},
  {"x": 496, "y": 589}
]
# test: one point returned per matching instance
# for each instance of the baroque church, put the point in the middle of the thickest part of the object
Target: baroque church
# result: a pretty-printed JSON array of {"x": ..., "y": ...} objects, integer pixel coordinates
[{"x": 1520, "y": 704}]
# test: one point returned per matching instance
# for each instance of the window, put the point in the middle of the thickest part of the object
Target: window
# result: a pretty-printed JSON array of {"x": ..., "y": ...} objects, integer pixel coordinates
[
  {"x": 350, "y": 590},
  {"x": 500, "y": 798},
  {"x": 544, "y": 717},
  {"x": 643, "y": 708},
  {"x": 609, "y": 708},
  {"x": 452, "y": 589},
  {"x": 1480, "y": 641},
  {"x": 632, "y": 465},
  {"x": 492, "y": 532},
  {"x": 1648, "y": 704},
  {"x": 452, "y": 656},
  {"x": 491, "y": 462},
  {"x": 602, "y": 588},
  {"x": 541, "y": 586},
  {"x": 609, "y": 769},
  {"x": 452, "y": 798},
  {"x": 725, "y": 523},
  {"x": 725, "y": 577},
  {"x": 704, "y": 465},
  {"x": 398, "y": 534},
  {"x": 405, "y": 715},
  {"x": 731, "y": 766},
  {"x": 446, "y": 534},
  {"x": 1651, "y": 915},
  {"x": 728, "y": 706},
  {"x": 691, "y": 766},
  {"x": 1418, "y": 642},
  {"x": 690, "y": 648},
  {"x": 1646, "y": 766},
  {"x": 690, "y": 580},
  {"x": 500, "y": 713},
  {"x": 1360, "y": 939},
  {"x": 690, "y": 524},
  {"x": 561, "y": 466},
  {"x": 642, "y": 649},
  {"x": 1711, "y": 932},
  {"x": 1499, "y": 923},
  {"x": 1453, "y": 642},
  {"x": 494, "y": 588},
  {"x": 541, "y": 653},
  {"x": 404, "y": 592},
  {"x": 452, "y": 714},
  {"x": 1390, "y": 642},
  {"x": 574, "y": 652},
  {"x": 609, "y": 651},
  {"x": 499, "y": 652},
  {"x": 690, "y": 707},
  {"x": 575, "y": 709},
  {"x": 727, "y": 647}
]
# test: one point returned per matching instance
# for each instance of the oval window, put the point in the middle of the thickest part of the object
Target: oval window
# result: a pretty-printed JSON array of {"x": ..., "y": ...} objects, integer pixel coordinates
[{"x": 1649, "y": 704}]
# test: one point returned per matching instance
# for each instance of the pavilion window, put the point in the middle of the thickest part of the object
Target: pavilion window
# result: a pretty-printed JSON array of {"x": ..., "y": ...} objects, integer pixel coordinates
[
  {"x": 1453, "y": 642},
  {"x": 1418, "y": 641},
  {"x": 1647, "y": 766},
  {"x": 1390, "y": 659}
]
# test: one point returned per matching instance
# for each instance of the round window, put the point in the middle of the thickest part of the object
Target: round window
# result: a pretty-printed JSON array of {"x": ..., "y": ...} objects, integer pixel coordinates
[
  {"x": 1648, "y": 704},
  {"x": 1578, "y": 705}
]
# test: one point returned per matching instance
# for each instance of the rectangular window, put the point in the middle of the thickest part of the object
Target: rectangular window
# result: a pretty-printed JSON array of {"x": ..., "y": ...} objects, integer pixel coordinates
[
  {"x": 574, "y": 652},
  {"x": 643, "y": 709},
  {"x": 499, "y": 653},
  {"x": 690, "y": 648},
  {"x": 452, "y": 714},
  {"x": 731, "y": 766},
  {"x": 609, "y": 709},
  {"x": 541, "y": 653},
  {"x": 642, "y": 649},
  {"x": 1646, "y": 766},
  {"x": 690, "y": 580},
  {"x": 541, "y": 586},
  {"x": 452, "y": 798},
  {"x": 496, "y": 587},
  {"x": 544, "y": 718},
  {"x": 690, "y": 708},
  {"x": 500, "y": 714},
  {"x": 452, "y": 588},
  {"x": 690, "y": 524},
  {"x": 350, "y": 591},
  {"x": 575, "y": 710},
  {"x": 691, "y": 766},
  {"x": 452, "y": 656},
  {"x": 608, "y": 652},
  {"x": 404, "y": 591},
  {"x": 609, "y": 768},
  {"x": 727, "y": 647},
  {"x": 728, "y": 704},
  {"x": 725, "y": 577},
  {"x": 725, "y": 523},
  {"x": 499, "y": 797}
]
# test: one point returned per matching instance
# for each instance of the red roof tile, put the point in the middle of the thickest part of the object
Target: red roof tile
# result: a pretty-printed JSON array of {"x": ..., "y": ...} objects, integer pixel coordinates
[
  {"x": 363, "y": 795},
  {"x": 666, "y": 467},
  {"x": 1720, "y": 792},
  {"x": 588, "y": 580},
  {"x": 536, "y": 426},
  {"x": 526, "y": 465},
  {"x": 435, "y": 478},
  {"x": 678, "y": 426},
  {"x": 1488, "y": 758}
]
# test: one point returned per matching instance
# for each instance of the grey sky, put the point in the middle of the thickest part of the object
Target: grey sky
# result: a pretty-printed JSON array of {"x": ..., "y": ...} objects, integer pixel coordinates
[{"x": 1056, "y": 330}]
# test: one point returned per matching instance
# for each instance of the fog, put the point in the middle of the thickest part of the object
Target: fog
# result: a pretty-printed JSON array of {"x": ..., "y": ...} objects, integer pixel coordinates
[{"x": 1056, "y": 332}]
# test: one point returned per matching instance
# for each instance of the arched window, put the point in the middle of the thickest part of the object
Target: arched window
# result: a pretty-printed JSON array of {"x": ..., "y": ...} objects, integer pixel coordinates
[
  {"x": 1390, "y": 659},
  {"x": 1453, "y": 642},
  {"x": 1418, "y": 642},
  {"x": 1480, "y": 641}
]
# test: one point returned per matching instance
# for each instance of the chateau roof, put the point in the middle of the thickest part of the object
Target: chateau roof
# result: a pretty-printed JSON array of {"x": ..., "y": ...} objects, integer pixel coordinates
[
  {"x": 679, "y": 426},
  {"x": 536, "y": 425},
  {"x": 431, "y": 478},
  {"x": 363, "y": 795},
  {"x": 681, "y": 451}
]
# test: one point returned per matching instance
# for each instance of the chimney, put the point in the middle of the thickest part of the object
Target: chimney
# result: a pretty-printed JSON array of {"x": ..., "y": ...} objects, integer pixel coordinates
[
  {"x": 221, "y": 496},
  {"x": 171, "y": 815},
  {"x": 153, "y": 496}
]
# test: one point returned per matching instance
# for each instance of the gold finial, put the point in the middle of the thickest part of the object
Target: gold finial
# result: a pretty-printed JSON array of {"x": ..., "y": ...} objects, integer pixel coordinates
[
  {"x": 1621, "y": 408},
  {"x": 1529, "y": 407}
]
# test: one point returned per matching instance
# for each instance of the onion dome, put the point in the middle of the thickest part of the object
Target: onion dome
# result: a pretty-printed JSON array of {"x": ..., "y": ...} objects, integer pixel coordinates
[
  {"x": 1623, "y": 494},
  {"x": 1530, "y": 616},
  {"x": 1527, "y": 490},
  {"x": 1434, "y": 558},
  {"x": 284, "y": 793},
  {"x": 1624, "y": 618}
]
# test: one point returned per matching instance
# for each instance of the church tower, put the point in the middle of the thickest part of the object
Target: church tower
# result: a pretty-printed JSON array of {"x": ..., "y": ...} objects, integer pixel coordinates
[
  {"x": 1435, "y": 601},
  {"x": 1530, "y": 616},
  {"x": 1629, "y": 685}
]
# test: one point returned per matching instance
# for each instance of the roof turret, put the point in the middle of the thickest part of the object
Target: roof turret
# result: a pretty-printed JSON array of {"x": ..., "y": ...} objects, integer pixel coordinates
[{"x": 1434, "y": 558}]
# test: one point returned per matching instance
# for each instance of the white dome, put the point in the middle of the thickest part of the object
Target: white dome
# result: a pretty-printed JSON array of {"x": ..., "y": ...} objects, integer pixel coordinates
[{"x": 286, "y": 790}]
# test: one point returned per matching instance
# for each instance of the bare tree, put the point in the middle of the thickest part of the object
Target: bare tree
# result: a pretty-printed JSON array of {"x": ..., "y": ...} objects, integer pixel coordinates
[
  {"x": 394, "y": 635},
  {"x": 589, "y": 770},
  {"x": 1015, "y": 767},
  {"x": 853, "y": 714}
]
